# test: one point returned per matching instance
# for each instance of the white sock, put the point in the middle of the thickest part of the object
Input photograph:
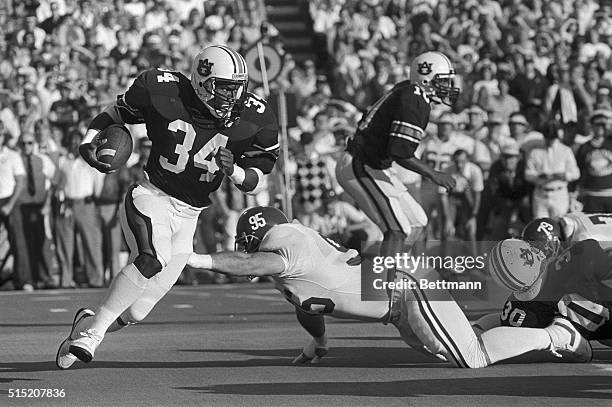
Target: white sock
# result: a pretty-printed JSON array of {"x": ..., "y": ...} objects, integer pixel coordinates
[
  {"x": 505, "y": 342},
  {"x": 125, "y": 289}
]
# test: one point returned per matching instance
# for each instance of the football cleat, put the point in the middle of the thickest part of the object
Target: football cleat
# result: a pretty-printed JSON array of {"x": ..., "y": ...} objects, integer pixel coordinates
[
  {"x": 64, "y": 359},
  {"x": 567, "y": 342},
  {"x": 84, "y": 346}
]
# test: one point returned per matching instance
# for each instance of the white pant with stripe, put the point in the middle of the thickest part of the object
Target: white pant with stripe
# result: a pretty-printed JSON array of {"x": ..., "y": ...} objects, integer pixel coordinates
[
  {"x": 160, "y": 225},
  {"x": 431, "y": 319},
  {"x": 381, "y": 195}
]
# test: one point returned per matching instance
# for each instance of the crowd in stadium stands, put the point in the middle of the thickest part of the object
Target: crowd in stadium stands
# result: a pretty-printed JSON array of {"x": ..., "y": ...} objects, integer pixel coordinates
[{"x": 530, "y": 135}]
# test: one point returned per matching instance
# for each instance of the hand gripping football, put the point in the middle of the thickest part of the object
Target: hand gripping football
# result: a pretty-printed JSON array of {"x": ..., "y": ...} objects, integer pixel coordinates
[{"x": 117, "y": 148}]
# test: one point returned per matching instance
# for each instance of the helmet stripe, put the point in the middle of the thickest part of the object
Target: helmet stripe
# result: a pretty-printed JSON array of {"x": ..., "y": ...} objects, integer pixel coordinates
[
  {"x": 509, "y": 275},
  {"x": 239, "y": 61},
  {"x": 230, "y": 54},
  {"x": 498, "y": 271},
  {"x": 503, "y": 272}
]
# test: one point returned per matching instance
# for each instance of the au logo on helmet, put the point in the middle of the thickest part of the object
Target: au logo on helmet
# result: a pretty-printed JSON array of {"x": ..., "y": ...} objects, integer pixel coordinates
[
  {"x": 205, "y": 67},
  {"x": 527, "y": 256},
  {"x": 424, "y": 68}
]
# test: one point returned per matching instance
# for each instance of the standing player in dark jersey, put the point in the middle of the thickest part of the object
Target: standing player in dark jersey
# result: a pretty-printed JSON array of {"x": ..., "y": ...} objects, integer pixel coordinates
[
  {"x": 389, "y": 131},
  {"x": 201, "y": 130}
]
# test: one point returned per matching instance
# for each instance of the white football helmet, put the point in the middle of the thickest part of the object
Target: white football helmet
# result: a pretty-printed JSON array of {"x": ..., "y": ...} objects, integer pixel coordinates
[
  {"x": 518, "y": 266},
  {"x": 219, "y": 77},
  {"x": 433, "y": 72}
]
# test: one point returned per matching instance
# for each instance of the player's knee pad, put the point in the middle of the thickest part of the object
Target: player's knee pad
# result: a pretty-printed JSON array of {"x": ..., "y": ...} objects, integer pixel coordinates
[{"x": 148, "y": 265}]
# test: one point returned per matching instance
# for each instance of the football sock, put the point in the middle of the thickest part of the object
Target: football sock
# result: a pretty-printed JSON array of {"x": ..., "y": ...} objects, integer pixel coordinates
[
  {"x": 505, "y": 342},
  {"x": 117, "y": 324},
  {"x": 125, "y": 289}
]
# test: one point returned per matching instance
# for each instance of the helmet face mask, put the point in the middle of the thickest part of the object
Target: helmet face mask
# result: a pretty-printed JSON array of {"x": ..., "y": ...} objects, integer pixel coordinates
[
  {"x": 223, "y": 95},
  {"x": 444, "y": 88},
  {"x": 246, "y": 243}
]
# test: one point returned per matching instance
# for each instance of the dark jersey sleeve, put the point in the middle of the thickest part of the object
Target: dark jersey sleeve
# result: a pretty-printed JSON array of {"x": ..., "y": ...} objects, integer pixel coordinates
[
  {"x": 136, "y": 101},
  {"x": 529, "y": 314},
  {"x": 264, "y": 150},
  {"x": 408, "y": 122}
]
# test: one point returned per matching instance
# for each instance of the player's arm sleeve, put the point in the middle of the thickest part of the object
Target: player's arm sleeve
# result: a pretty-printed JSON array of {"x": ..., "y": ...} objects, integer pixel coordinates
[
  {"x": 259, "y": 159},
  {"x": 127, "y": 108},
  {"x": 286, "y": 242},
  {"x": 408, "y": 123}
]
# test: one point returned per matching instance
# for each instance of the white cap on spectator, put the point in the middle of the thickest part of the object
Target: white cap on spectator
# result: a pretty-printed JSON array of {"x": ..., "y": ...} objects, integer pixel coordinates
[
  {"x": 605, "y": 113},
  {"x": 518, "y": 119},
  {"x": 510, "y": 148}
]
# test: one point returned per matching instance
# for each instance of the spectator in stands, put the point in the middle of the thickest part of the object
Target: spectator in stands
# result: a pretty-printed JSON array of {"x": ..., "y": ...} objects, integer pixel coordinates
[
  {"x": 460, "y": 206},
  {"x": 519, "y": 132},
  {"x": 29, "y": 27},
  {"x": 64, "y": 113},
  {"x": 143, "y": 149},
  {"x": 550, "y": 169},
  {"x": 108, "y": 198},
  {"x": 12, "y": 182},
  {"x": 35, "y": 206},
  {"x": 595, "y": 162},
  {"x": 77, "y": 186},
  {"x": 503, "y": 103},
  {"x": 504, "y": 198}
]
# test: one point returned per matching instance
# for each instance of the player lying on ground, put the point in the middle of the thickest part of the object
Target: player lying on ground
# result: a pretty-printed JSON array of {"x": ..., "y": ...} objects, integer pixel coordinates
[
  {"x": 552, "y": 235},
  {"x": 320, "y": 277},
  {"x": 574, "y": 282},
  {"x": 197, "y": 127}
]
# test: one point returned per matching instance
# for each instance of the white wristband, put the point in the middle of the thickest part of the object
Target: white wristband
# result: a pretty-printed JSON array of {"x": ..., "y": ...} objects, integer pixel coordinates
[
  {"x": 204, "y": 261},
  {"x": 238, "y": 175}
]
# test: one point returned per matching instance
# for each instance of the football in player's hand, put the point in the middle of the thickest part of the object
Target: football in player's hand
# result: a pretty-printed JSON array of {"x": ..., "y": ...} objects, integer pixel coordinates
[{"x": 117, "y": 148}]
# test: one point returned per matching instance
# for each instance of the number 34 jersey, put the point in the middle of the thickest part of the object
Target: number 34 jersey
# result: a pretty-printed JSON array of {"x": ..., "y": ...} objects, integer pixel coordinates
[
  {"x": 185, "y": 136},
  {"x": 317, "y": 277}
]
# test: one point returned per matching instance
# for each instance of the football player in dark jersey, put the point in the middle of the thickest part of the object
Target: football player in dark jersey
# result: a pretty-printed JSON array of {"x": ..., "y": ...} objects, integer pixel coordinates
[
  {"x": 390, "y": 131},
  {"x": 201, "y": 129},
  {"x": 574, "y": 285}
]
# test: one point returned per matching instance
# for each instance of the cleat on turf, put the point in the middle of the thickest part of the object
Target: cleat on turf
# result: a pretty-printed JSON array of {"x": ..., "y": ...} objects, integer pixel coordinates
[
  {"x": 64, "y": 359},
  {"x": 567, "y": 342},
  {"x": 84, "y": 346}
]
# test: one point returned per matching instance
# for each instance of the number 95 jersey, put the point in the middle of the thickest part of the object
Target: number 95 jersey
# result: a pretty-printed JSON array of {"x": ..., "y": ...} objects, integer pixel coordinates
[
  {"x": 185, "y": 136},
  {"x": 317, "y": 277}
]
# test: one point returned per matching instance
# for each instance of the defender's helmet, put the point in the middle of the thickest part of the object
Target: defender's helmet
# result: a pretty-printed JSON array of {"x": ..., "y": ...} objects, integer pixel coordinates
[
  {"x": 545, "y": 234},
  {"x": 253, "y": 224},
  {"x": 518, "y": 266},
  {"x": 433, "y": 72},
  {"x": 219, "y": 77}
]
